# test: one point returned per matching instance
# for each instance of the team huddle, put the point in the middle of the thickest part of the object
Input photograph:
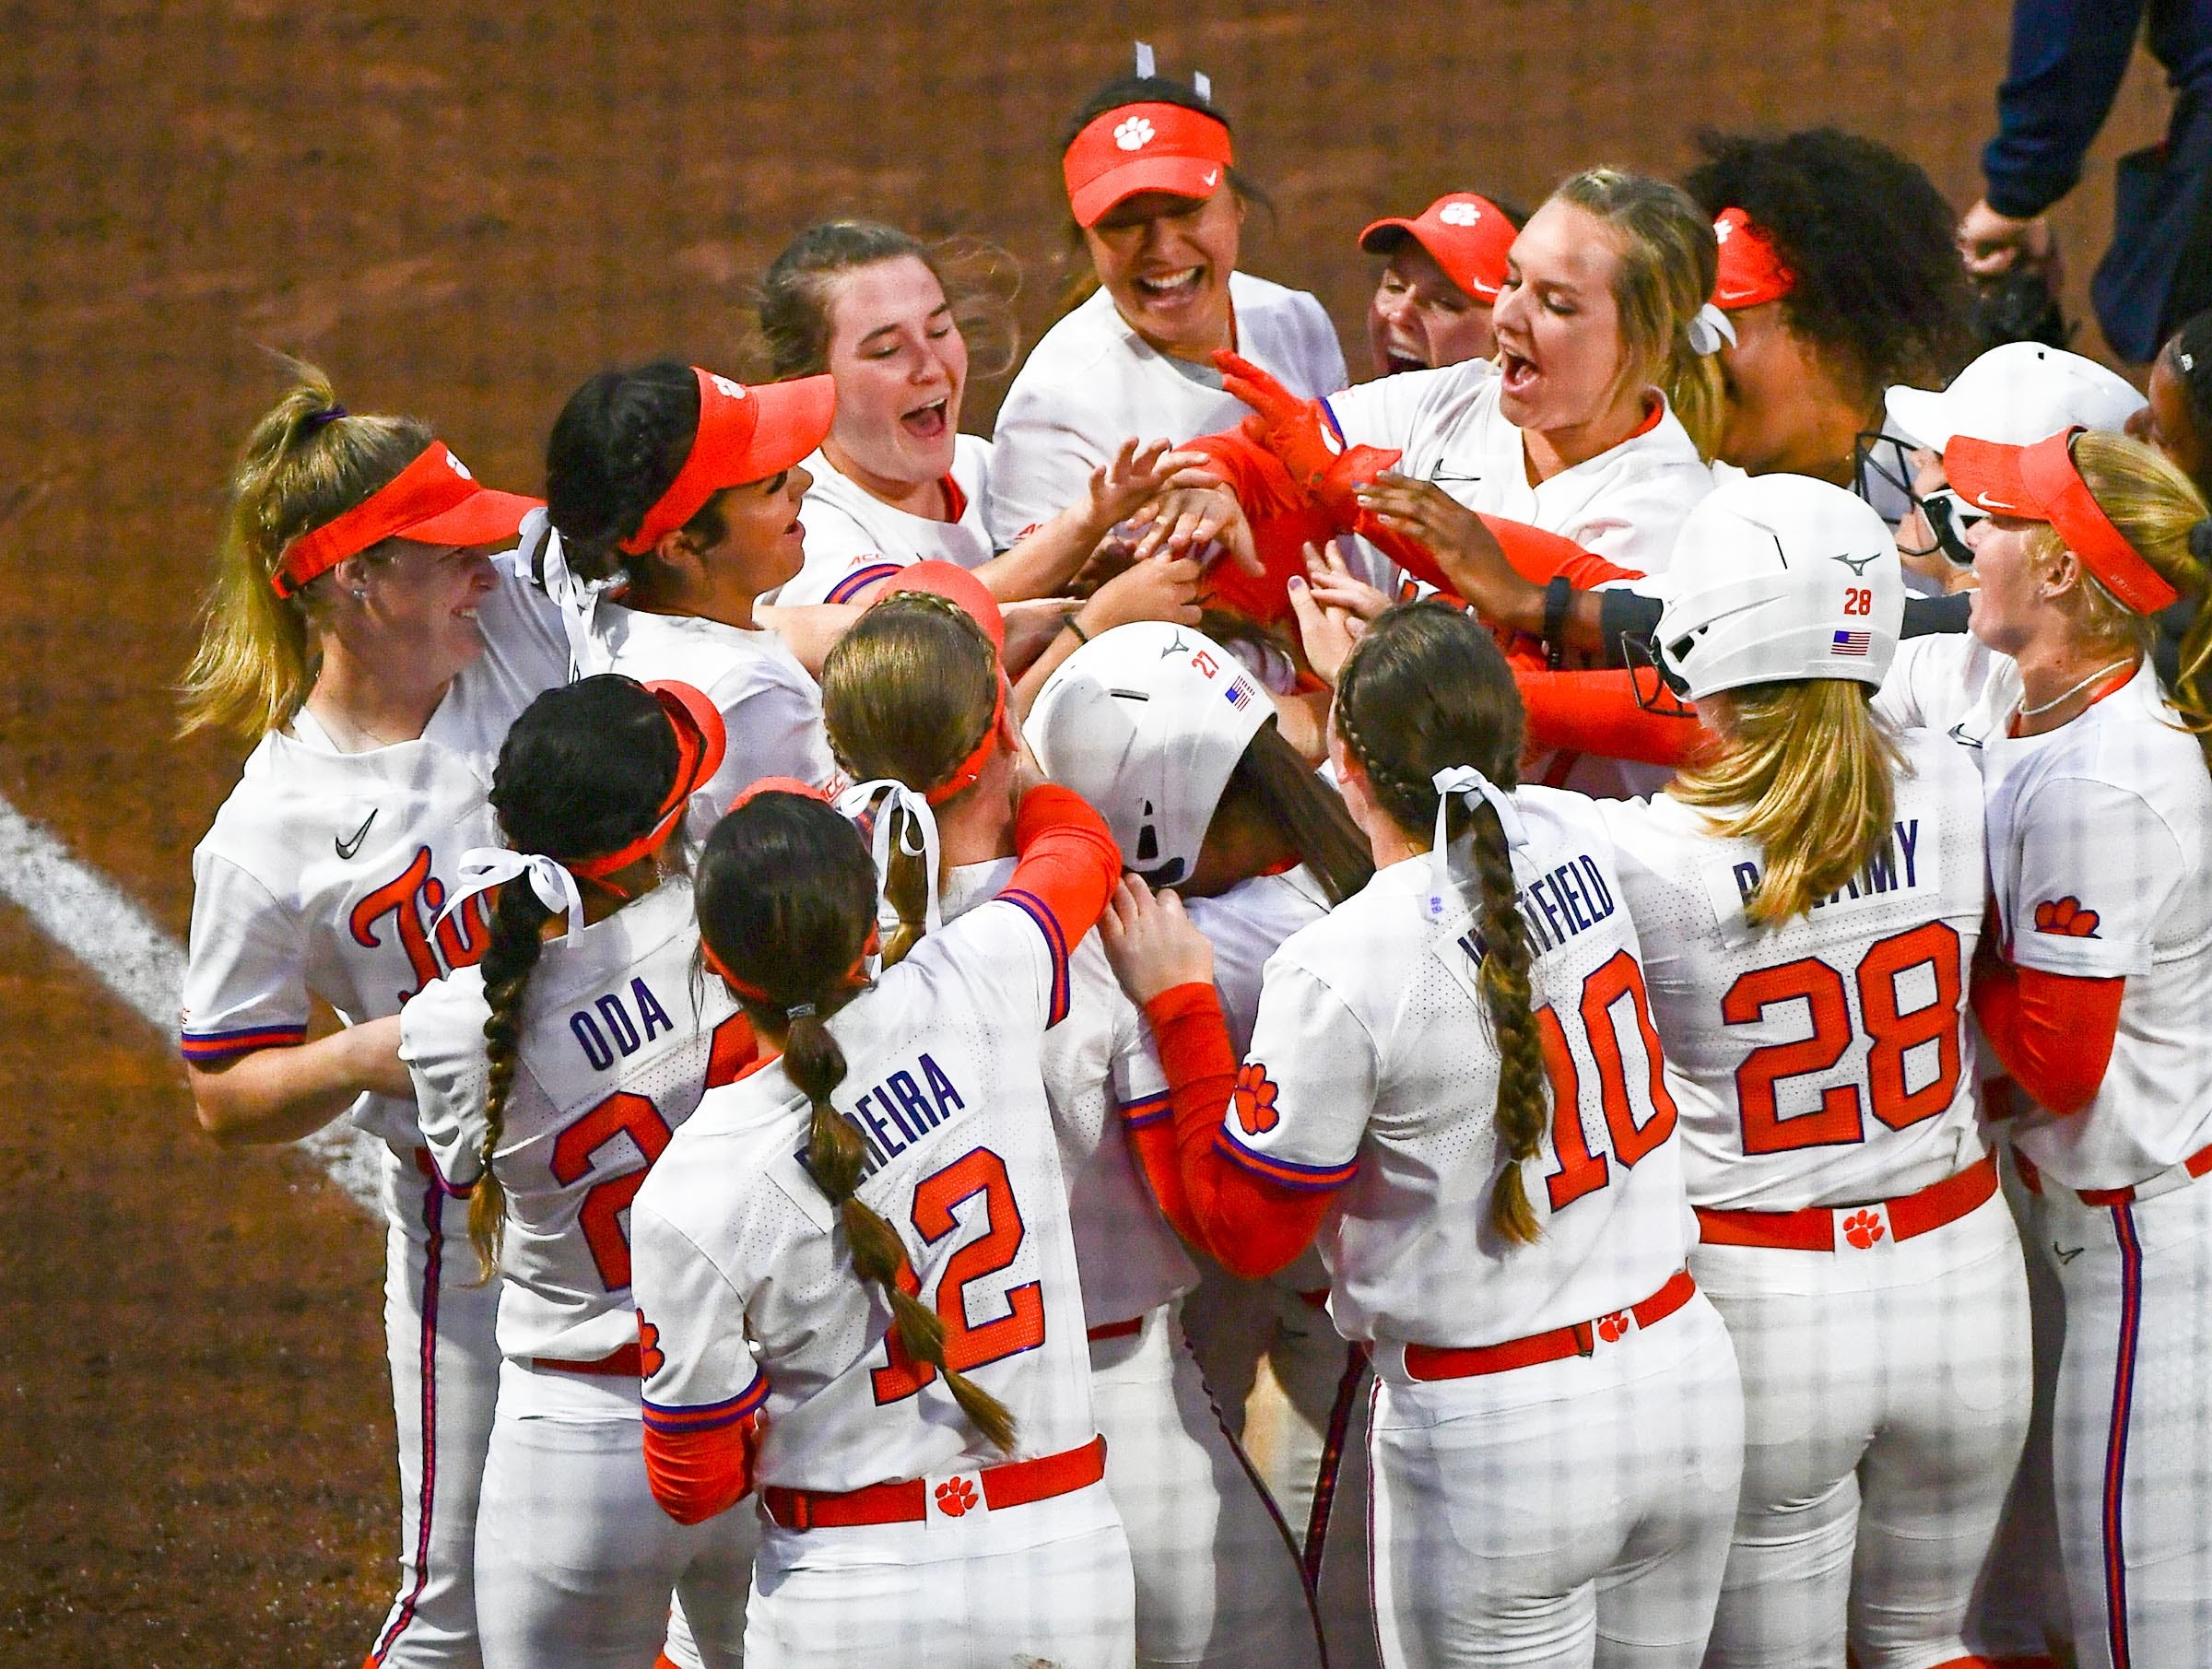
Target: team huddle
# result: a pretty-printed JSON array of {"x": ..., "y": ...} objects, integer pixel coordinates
[{"x": 1625, "y": 907}]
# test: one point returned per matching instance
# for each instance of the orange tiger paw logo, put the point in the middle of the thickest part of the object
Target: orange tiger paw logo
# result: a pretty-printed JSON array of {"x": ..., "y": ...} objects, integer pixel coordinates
[
  {"x": 955, "y": 1497},
  {"x": 1863, "y": 1230},
  {"x": 1613, "y": 1326},
  {"x": 1254, "y": 1100},
  {"x": 2067, "y": 918},
  {"x": 651, "y": 1358}
]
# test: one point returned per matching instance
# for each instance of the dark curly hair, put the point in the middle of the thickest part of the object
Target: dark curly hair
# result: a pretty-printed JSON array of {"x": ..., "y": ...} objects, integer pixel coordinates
[{"x": 1880, "y": 287}]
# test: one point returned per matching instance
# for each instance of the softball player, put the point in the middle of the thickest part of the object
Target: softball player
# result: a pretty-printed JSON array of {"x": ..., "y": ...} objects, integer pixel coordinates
[
  {"x": 1158, "y": 728},
  {"x": 1217, "y": 1580},
  {"x": 894, "y": 480},
  {"x": 855, "y": 1284},
  {"x": 2100, "y": 840},
  {"x": 1810, "y": 895},
  {"x": 1557, "y": 1427},
  {"x": 549, "y": 1078},
  {"x": 1432, "y": 305},
  {"x": 376, "y": 657},
  {"x": 678, "y": 491},
  {"x": 1157, "y": 199}
]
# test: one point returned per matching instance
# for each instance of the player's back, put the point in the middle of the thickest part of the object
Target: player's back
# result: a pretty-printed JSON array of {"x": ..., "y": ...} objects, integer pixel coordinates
[
  {"x": 619, "y": 1038},
  {"x": 1411, "y": 1251},
  {"x": 754, "y": 1295},
  {"x": 1823, "y": 1060}
]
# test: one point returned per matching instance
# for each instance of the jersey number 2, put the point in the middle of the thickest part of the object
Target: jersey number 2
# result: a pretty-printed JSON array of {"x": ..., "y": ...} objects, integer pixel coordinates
[
  {"x": 621, "y": 1113},
  {"x": 1892, "y": 1029},
  {"x": 967, "y": 1344}
]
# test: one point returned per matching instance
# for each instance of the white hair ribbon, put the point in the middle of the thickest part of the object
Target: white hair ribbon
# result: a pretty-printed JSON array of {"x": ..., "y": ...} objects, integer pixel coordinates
[
  {"x": 875, "y": 801},
  {"x": 1709, "y": 329},
  {"x": 576, "y": 598},
  {"x": 486, "y": 868},
  {"x": 1144, "y": 60},
  {"x": 1468, "y": 785},
  {"x": 1203, "y": 85}
]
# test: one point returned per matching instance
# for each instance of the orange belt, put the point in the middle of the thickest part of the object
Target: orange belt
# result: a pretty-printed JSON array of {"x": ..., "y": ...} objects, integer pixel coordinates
[
  {"x": 1117, "y": 1330},
  {"x": 1435, "y": 1362},
  {"x": 2166, "y": 1182},
  {"x": 623, "y": 1363},
  {"x": 1814, "y": 1228},
  {"x": 907, "y": 1501}
]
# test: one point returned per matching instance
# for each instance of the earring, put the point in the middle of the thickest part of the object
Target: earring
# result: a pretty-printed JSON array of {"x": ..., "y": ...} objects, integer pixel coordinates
[{"x": 360, "y": 594}]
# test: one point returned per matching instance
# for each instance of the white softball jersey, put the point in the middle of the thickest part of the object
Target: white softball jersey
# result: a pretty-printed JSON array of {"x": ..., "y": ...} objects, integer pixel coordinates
[
  {"x": 620, "y": 1036},
  {"x": 1092, "y": 382},
  {"x": 2100, "y": 865},
  {"x": 770, "y": 705},
  {"x": 853, "y": 538},
  {"x": 1100, "y": 1076},
  {"x": 324, "y": 872},
  {"x": 1940, "y": 681},
  {"x": 1825, "y": 1061},
  {"x": 1246, "y": 924},
  {"x": 747, "y": 1295},
  {"x": 1627, "y": 504},
  {"x": 1373, "y": 1068}
]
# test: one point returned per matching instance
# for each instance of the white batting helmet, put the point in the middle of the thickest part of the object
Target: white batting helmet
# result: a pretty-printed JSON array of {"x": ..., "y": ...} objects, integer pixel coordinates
[
  {"x": 2017, "y": 392},
  {"x": 1779, "y": 577},
  {"x": 1148, "y": 721}
]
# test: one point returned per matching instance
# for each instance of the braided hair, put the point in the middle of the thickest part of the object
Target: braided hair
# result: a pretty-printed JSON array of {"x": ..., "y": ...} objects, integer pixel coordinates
[
  {"x": 786, "y": 902},
  {"x": 616, "y": 447},
  {"x": 1423, "y": 690},
  {"x": 907, "y": 693},
  {"x": 582, "y": 772}
]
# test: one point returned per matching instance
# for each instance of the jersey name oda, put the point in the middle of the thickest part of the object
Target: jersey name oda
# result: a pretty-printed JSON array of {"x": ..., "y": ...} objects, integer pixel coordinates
[
  {"x": 324, "y": 872},
  {"x": 1100, "y": 1076},
  {"x": 747, "y": 1295},
  {"x": 855, "y": 539},
  {"x": 1372, "y": 1069},
  {"x": 620, "y": 1036},
  {"x": 1092, "y": 382},
  {"x": 2100, "y": 864},
  {"x": 1825, "y": 1061}
]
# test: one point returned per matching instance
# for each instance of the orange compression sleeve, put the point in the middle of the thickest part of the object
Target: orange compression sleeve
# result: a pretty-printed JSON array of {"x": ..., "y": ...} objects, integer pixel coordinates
[
  {"x": 2054, "y": 1032},
  {"x": 1597, "y": 713},
  {"x": 1251, "y": 1224},
  {"x": 695, "y": 1474}
]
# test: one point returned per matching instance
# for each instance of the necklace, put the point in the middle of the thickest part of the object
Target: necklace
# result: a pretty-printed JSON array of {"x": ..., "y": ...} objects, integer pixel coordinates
[
  {"x": 356, "y": 733},
  {"x": 2058, "y": 700}
]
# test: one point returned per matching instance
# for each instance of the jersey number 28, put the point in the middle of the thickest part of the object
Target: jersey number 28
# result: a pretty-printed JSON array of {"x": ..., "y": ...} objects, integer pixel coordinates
[
  {"x": 1892, "y": 1028},
  {"x": 967, "y": 1346}
]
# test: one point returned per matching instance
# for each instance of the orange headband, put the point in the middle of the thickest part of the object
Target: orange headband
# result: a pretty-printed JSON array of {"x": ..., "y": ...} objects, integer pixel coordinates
[
  {"x": 966, "y": 774},
  {"x": 2041, "y": 483},
  {"x": 856, "y": 976},
  {"x": 434, "y": 500},
  {"x": 1751, "y": 270},
  {"x": 700, "y": 740}
]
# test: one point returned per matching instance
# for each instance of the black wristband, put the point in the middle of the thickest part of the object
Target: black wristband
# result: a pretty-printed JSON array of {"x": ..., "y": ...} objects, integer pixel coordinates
[
  {"x": 1068, "y": 621},
  {"x": 1557, "y": 593}
]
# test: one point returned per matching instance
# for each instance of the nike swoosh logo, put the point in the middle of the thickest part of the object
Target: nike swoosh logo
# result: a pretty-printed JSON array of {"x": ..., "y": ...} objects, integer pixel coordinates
[
  {"x": 348, "y": 847},
  {"x": 1212, "y": 174},
  {"x": 2065, "y": 1254}
]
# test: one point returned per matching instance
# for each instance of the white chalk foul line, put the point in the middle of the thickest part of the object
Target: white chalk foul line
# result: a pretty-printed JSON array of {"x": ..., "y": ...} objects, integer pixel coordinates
[{"x": 103, "y": 927}]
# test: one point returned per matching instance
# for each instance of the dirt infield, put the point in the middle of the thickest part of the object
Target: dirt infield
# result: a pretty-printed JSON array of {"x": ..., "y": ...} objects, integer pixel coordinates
[{"x": 461, "y": 210}]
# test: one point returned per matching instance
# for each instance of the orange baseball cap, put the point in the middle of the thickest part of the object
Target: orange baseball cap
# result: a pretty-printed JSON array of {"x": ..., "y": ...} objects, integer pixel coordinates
[
  {"x": 434, "y": 500},
  {"x": 1467, "y": 234},
  {"x": 1751, "y": 270},
  {"x": 745, "y": 434},
  {"x": 2040, "y": 483},
  {"x": 1144, "y": 147}
]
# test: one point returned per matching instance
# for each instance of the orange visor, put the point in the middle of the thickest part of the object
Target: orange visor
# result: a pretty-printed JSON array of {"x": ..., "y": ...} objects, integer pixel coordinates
[
  {"x": 434, "y": 500},
  {"x": 699, "y": 743},
  {"x": 1751, "y": 270},
  {"x": 1144, "y": 147},
  {"x": 2040, "y": 483},
  {"x": 745, "y": 434}
]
